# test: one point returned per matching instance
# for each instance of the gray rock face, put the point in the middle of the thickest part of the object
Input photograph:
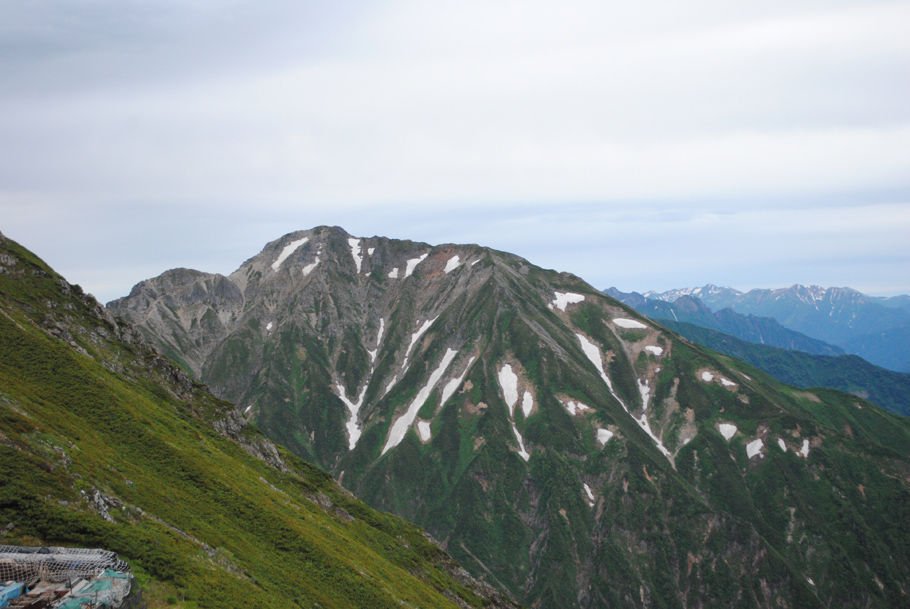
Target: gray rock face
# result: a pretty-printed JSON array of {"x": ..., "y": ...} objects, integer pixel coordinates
[{"x": 187, "y": 312}]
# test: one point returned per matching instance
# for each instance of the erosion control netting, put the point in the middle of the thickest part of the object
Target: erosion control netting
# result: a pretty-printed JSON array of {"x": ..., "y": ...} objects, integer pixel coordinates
[
  {"x": 22, "y": 563},
  {"x": 107, "y": 590}
]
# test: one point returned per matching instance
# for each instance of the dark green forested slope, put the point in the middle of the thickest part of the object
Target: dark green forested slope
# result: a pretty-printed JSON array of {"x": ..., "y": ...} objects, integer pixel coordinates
[
  {"x": 103, "y": 443},
  {"x": 850, "y": 373}
]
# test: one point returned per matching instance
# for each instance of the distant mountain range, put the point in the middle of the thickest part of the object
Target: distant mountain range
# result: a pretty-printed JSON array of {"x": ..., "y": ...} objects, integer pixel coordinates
[
  {"x": 850, "y": 373},
  {"x": 876, "y": 329},
  {"x": 787, "y": 355},
  {"x": 560, "y": 445},
  {"x": 751, "y": 328}
]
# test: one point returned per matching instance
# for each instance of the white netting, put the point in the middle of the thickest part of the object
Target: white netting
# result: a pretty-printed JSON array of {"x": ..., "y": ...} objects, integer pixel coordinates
[{"x": 23, "y": 563}]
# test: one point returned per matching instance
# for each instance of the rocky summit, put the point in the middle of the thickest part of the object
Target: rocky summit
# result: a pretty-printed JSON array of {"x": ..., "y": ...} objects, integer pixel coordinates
[{"x": 559, "y": 445}]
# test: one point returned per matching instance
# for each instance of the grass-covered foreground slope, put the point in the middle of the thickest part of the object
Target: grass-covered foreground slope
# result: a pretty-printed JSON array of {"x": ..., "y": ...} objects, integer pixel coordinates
[
  {"x": 850, "y": 373},
  {"x": 103, "y": 443},
  {"x": 560, "y": 446}
]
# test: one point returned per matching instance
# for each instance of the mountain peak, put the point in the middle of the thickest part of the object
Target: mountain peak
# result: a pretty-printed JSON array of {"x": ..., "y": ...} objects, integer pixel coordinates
[
  {"x": 545, "y": 431},
  {"x": 702, "y": 292}
]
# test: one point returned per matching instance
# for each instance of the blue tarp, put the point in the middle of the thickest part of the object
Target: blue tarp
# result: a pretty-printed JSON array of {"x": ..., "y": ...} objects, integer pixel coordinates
[
  {"x": 107, "y": 590},
  {"x": 9, "y": 591}
]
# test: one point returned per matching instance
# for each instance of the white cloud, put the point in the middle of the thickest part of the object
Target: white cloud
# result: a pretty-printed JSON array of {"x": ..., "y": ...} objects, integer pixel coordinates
[{"x": 757, "y": 110}]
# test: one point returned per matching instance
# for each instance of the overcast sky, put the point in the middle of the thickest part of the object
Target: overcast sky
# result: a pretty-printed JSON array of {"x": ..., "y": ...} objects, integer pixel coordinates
[{"x": 643, "y": 145}]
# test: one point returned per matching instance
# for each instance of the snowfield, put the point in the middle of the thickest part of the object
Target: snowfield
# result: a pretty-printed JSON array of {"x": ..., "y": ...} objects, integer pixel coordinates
[
  {"x": 353, "y": 425},
  {"x": 309, "y": 268},
  {"x": 355, "y": 252},
  {"x": 400, "y": 426},
  {"x": 631, "y": 324},
  {"x": 289, "y": 249},
  {"x": 754, "y": 447},
  {"x": 521, "y": 444},
  {"x": 412, "y": 264},
  {"x": 561, "y": 299},
  {"x": 452, "y": 264},
  {"x": 593, "y": 354},
  {"x": 508, "y": 381},
  {"x": 527, "y": 404},
  {"x": 423, "y": 430}
]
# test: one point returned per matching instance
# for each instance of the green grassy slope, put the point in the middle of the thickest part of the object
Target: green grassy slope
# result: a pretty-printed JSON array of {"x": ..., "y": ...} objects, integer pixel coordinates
[{"x": 105, "y": 444}]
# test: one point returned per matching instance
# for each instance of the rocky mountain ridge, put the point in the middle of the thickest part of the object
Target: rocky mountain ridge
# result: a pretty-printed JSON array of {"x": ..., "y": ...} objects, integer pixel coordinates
[
  {"x": 559, "y": 445},
  {"x": 690, "y": 309}
]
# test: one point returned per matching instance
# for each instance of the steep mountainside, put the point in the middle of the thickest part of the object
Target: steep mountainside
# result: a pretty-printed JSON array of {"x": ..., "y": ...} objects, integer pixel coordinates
[
  {"x": 875, "y": 329},
  {"x": 885, "y": 388},
  {"x": 560, "y": 445},
  {"x": 751, "y": 328},
  {"x": 104, "y": 443}
]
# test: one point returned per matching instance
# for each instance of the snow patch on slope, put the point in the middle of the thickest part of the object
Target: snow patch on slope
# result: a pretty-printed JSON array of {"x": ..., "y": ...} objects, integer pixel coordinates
[
  {"x": 454, "y": 384},
  {"x": 527, "y": 403},
  {"x": 630, "y": 324},
  {"x": 404, "y": 364},
  {"x": 423, "y": 430},
  {"x": 393, "y": 274},
  {"x": 418, "y": 333},
  {"x": 603, "y": 436},
  {"x": 452, "y": 264},
  {"x": 645, "y": 392},
  {"x": 575, "y": 408},
  {"x": 289, "y": 249},
  {"x": 381, "y": 330},
  {"x": 754, "y": 447},
  {"x": 353, "y": 425},
  {"x": 508, "y": 380},
  {"x": 562, "y": 299},
  {"x": 373, "y": 352},
  {"x": 707, "y": 376},
  {"x": 593, "y": 354},
  {"x": 355, "y": 252},
  {"x": 804, "y": 450},
  {"x": 391, "y": 384},
  {"x": 524, "y": 454},
  {"x": 727, "y": 430},
  {"x": 412, "y": 264},
  {"x": 654, "y": 349},
  {"x": 400, "y": 426},
  {"x": 782, "y": 445},
  {"x": 589, "y": 494},
  {"x": 309, "y": 268}
]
